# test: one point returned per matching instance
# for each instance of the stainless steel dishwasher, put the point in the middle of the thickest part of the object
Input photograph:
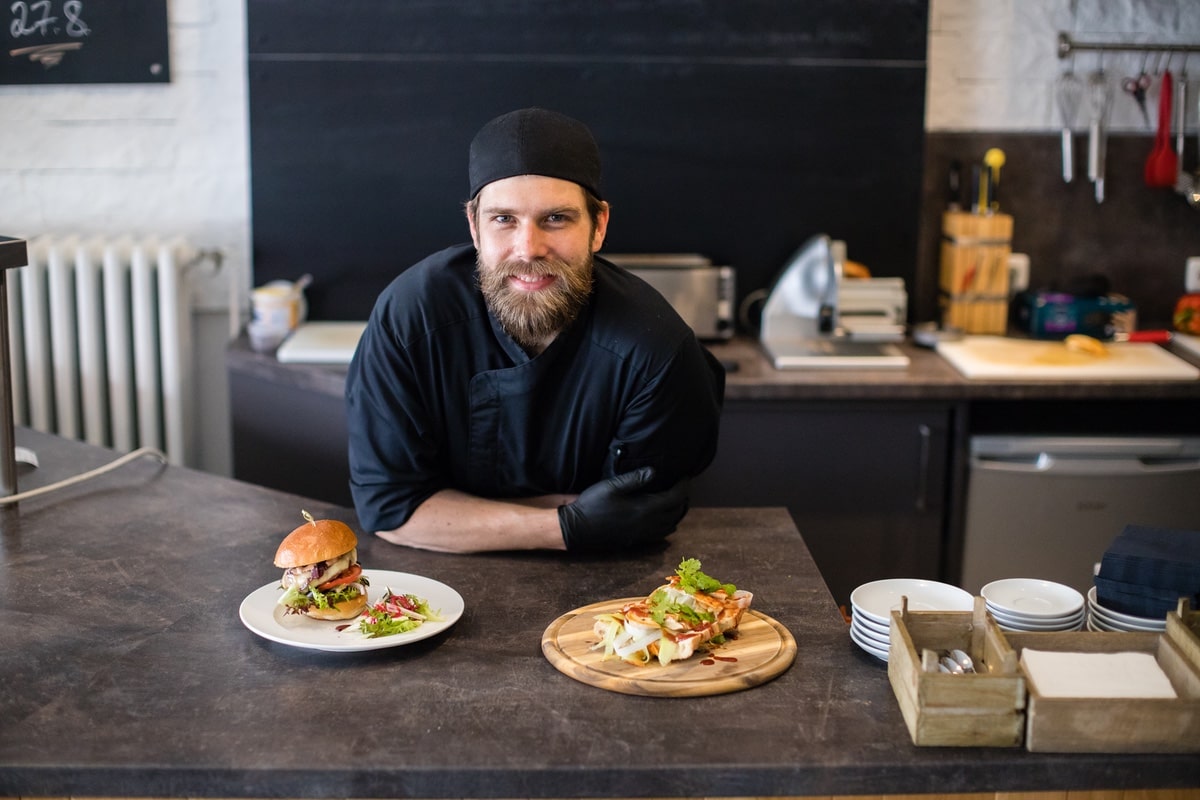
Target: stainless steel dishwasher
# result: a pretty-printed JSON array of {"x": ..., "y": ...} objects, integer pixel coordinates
[{"x": 1048, "y": 507}]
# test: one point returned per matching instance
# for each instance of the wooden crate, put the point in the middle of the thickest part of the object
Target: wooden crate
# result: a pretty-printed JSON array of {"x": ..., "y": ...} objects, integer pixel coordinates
[
  {"x": 1070, "y": 725},
  {"x": 973, "y": 275},
  {"x": 940, "y": 709}
]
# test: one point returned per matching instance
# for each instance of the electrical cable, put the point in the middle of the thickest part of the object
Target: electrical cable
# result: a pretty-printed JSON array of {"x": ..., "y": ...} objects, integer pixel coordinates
[{"x": 86, "y": 476}]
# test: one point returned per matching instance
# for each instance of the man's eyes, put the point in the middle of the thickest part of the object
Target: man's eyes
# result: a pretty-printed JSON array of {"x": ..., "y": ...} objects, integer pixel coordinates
[{"x": 552, "y": 220}]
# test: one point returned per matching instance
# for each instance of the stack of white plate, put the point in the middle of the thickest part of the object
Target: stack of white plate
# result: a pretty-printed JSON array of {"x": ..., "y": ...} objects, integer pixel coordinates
[
  {"x": 1030, "y": 604},
  {"x": 871, "y": 608},
  {"x": 1101, "y": 618}
]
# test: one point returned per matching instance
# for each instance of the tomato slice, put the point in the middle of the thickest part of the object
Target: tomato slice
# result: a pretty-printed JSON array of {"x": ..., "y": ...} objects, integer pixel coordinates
[{"x": 349, "y": 576}]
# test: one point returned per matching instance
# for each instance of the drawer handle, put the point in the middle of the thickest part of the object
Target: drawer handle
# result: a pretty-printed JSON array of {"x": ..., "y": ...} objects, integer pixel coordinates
[{"x": 922, "y": 498}]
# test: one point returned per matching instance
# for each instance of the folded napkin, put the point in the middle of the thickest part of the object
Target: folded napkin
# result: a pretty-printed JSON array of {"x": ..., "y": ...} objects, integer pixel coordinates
[
  {"x": 1107, "y": 675},
  {"x": 1163, "y": 558},
  {"x": 1139, "y": 601}
]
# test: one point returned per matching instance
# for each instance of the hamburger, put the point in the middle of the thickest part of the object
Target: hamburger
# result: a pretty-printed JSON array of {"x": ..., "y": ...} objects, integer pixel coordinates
[{"x": 322, "y": 578}]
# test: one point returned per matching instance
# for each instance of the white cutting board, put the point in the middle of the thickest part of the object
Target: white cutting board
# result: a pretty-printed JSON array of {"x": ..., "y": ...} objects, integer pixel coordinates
[
  {"x": 1002, "y": 358},
  {"x": 321, "y": 343}
]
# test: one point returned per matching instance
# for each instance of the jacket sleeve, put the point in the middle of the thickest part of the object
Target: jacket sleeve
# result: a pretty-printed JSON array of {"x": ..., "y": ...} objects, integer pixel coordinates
[{"x": 393, "y": 462}]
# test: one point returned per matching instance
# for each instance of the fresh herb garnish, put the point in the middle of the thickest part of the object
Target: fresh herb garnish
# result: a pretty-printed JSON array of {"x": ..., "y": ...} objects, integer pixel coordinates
[{"x": 691, "y": 579}]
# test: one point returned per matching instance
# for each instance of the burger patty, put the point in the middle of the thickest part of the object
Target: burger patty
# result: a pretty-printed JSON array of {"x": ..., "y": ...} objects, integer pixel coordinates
[{"x": 316, "y": 574}]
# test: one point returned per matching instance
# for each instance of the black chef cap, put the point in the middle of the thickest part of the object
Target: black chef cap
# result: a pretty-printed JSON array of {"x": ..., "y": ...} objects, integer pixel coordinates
[{"x": 534, "y": 141}]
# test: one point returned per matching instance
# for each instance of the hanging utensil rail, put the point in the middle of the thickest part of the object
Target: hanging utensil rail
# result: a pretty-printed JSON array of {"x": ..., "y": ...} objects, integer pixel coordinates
[{"x": 1067, "y": 46}]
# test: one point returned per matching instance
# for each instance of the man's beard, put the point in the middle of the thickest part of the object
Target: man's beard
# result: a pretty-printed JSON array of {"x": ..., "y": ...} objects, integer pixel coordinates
[{"x": 533, "y": 318}]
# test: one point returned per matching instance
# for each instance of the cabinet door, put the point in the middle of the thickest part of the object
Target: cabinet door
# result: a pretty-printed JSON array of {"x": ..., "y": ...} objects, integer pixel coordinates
[{"x": 865, "y": 484}]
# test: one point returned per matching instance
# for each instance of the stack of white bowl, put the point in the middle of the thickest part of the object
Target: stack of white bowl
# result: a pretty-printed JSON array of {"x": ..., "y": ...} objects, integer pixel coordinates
[
  {"x": 1031, "y": 604},
  {"x": 1101, "y": 618},
  {"x": 872, "y": 603}
]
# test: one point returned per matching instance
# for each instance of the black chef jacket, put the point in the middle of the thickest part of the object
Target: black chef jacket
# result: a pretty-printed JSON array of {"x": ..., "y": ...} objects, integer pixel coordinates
[{"x": 439, "y": 396}]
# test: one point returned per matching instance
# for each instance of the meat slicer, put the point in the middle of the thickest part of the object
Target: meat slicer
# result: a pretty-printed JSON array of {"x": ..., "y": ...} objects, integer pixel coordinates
[{"x": 816, "y": 317}]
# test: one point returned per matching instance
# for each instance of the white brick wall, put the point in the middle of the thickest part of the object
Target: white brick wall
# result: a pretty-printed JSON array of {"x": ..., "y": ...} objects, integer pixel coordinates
[{"x": 155, "y": 159}]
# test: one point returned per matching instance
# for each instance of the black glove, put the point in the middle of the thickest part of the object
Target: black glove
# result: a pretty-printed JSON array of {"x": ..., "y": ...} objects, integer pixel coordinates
[{"x": 620, "y": 512}]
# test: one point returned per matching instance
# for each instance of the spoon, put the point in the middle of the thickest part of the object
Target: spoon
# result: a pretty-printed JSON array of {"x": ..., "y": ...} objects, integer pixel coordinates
[
  {"x": 1099, "y": 96},
  {"x": 1192, "y": 190},
  {"x": 950, "y": 665},
  {"x": 963, "y": 660},
  {"x": 1162, "y": 165},
  {"x": 1185, "y": 181}
]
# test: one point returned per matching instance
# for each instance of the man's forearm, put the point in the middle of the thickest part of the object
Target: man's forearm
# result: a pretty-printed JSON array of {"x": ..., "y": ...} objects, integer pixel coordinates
[{"x": 455, "y": 522}]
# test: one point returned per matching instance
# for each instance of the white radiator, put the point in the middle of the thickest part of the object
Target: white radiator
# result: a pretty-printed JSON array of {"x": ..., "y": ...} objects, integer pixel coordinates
[{"x": 101, "y": 342}]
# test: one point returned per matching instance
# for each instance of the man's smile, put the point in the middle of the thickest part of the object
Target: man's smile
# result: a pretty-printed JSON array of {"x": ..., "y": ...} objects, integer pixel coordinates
[{"x": 531, "y": 283}]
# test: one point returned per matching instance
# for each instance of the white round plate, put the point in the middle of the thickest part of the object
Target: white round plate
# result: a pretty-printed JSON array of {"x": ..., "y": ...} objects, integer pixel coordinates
[
  {"x": 1099, "y": 613},
  {"x": 877, "y": 599},
  {"x": 1098, "y": 624},
  {"x": 1011, "y": 624},
  {"x": 866, "y": 644},
  {"x": 1038, "y": 623},
  {"x": 1120, "y": 618},
  {"x": 1032, "y": 598},
  {"x": 1050, "y": 622},
  {"x": 1028, "y": 627},
  {"x": 261, "y": 613},
  {"x": 882, "y": 640},
  {"x": 868, "y": 624},
  {"x": 1101, "y": 618}
]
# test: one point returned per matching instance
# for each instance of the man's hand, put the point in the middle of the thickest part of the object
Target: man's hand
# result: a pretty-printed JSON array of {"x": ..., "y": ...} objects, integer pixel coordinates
[{"x": 620, "y": 512}]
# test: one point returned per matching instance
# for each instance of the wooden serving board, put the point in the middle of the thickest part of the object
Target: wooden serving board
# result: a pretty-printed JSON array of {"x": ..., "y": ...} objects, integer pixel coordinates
[{"x": 763, "y": 649}]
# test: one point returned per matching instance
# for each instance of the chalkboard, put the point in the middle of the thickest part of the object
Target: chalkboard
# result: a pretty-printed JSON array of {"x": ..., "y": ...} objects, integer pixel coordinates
[{"x": 85, "y": 41}]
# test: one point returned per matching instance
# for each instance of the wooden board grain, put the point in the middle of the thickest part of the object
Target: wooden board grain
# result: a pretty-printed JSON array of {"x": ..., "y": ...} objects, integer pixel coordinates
[{"x": 763, "y": 649}]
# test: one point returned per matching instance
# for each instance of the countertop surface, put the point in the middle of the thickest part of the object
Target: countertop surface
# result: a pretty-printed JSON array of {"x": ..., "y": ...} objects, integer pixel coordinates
[
  {"x": 128, "y": 672},
  {"x": 750, "y": 376}
]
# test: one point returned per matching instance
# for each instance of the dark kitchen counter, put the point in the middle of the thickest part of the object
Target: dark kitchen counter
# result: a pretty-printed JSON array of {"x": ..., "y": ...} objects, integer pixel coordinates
[
  {"x": 751, "y": 377},
  {"x": 127, "y": 671}
]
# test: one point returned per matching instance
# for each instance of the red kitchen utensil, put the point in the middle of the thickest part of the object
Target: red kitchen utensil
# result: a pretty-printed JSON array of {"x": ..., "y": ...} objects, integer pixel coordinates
[
  {"x": 1153, "y": 337},
  {"x": 1162, "y": 165}
]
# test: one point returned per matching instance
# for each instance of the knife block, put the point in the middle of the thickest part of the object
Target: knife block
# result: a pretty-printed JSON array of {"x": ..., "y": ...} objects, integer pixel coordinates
[{"x": 973, "y": 275}]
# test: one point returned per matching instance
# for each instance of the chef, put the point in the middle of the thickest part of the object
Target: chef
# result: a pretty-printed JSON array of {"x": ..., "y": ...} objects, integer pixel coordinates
[{"x": 520, "y": 392}]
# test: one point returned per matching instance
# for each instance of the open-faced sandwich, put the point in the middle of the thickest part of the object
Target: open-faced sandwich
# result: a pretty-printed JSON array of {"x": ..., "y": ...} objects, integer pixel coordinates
[{"x": 690, "y": 610}]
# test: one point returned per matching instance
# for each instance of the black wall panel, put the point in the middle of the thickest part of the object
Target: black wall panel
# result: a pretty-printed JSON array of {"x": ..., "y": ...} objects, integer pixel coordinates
[{"x": 733, "y": 129}]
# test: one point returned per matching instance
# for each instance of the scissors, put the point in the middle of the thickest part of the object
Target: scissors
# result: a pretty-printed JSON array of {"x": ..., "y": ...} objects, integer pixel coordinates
[{"x": 1137, "y": 87}]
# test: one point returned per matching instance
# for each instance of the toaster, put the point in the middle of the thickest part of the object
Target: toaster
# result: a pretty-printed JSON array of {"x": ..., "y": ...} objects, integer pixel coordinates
[{"x": 703, "y": 294}]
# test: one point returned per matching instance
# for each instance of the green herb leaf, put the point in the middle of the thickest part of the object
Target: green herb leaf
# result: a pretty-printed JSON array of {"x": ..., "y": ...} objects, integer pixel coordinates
[{"x": 691, "y": 579}]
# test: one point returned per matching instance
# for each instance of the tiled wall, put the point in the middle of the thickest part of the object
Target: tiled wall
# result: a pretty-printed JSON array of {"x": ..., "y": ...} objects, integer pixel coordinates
[
  {"x": 993, "y": 63},
  {"x": 993, "y": 67}
]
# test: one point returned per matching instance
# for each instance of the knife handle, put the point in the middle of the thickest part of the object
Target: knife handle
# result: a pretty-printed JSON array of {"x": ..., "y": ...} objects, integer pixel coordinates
[
  {"x": 1154, "y": 337},
  {"x": 1093, "y": 150},
  {"x": 1068, "y": 155}
]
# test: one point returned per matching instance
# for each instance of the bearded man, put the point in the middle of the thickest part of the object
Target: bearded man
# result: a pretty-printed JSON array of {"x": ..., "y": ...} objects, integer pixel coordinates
[{"x": 520, "y": 392}]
